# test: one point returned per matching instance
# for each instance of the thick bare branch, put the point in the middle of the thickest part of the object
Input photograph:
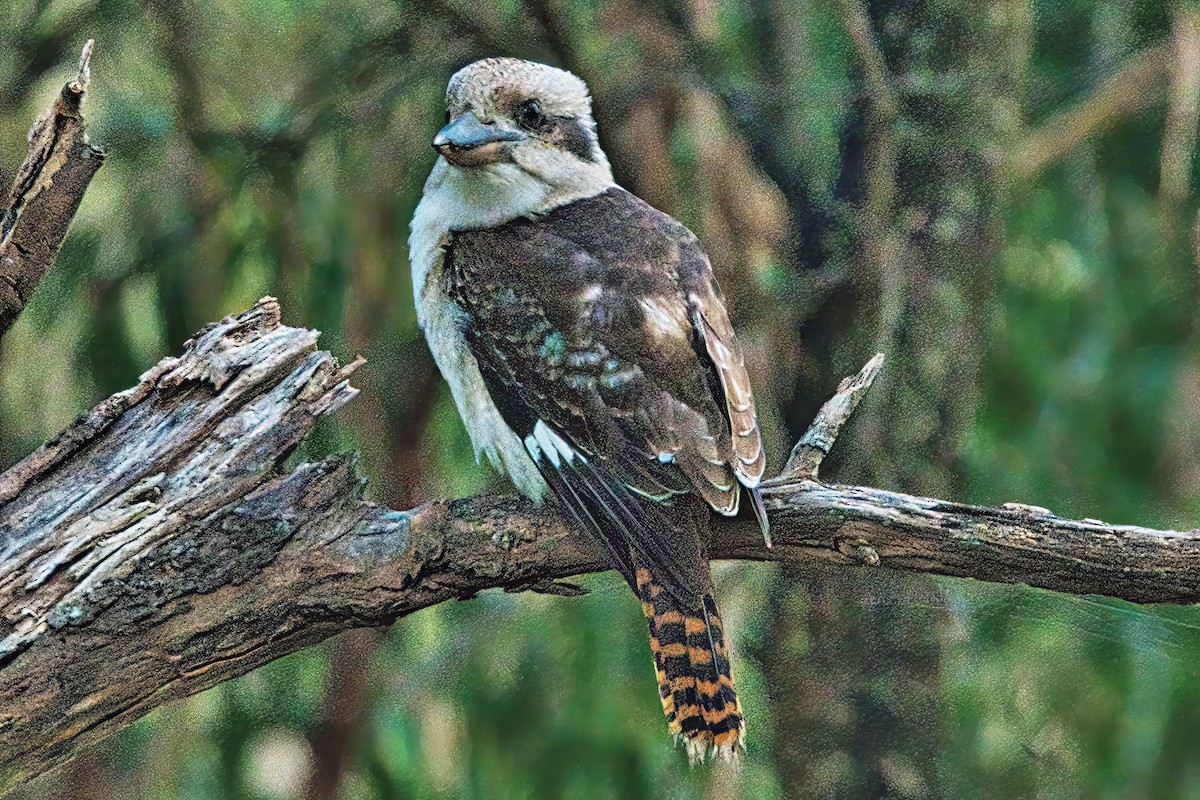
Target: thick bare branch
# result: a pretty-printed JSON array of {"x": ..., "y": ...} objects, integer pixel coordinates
[
  {"x": 46, "y": 194},
  {"x": 154, "y": 549}
]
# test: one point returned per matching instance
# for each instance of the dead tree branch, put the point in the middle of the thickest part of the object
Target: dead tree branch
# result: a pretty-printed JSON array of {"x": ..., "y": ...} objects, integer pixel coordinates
[
  {"x": 46, "y": 193},
  {"x": 155, "y": 549},
  {"x": 806, "y": 457}
]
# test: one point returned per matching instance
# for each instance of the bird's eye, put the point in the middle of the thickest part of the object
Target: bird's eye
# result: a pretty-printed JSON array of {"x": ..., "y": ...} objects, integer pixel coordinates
[
  {"x": 530, "y": 115},
  {"x": 447, "y": 116}
]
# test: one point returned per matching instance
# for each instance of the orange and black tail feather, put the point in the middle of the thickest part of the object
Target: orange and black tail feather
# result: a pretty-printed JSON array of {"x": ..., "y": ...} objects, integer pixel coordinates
[{"x": 694, "y": 680}]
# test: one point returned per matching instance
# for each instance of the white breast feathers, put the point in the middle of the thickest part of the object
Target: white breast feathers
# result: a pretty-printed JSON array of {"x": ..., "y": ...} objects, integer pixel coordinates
[{"x": 442, "y": 320}]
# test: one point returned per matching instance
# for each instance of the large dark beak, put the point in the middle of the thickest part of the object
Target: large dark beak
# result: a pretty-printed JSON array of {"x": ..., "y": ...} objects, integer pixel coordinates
[{"x": 468, "y": 142}]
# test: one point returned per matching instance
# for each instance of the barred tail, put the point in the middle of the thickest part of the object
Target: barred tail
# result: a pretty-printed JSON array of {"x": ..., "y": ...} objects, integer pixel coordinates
[{"x": 694, "y": 681}]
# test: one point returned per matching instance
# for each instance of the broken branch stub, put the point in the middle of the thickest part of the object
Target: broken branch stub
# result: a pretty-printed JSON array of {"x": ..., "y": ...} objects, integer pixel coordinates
[
  {"x": 806, "y": 457},
  {"x": 46, "y": 194}
]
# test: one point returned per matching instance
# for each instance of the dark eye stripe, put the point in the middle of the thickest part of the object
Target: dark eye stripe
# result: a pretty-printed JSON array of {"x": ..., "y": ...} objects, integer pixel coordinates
[{"x": 574, "y": 137}]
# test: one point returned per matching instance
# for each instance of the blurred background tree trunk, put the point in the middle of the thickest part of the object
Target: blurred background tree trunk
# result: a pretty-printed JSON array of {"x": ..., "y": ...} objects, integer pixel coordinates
[{"x": 852, "y": 657}]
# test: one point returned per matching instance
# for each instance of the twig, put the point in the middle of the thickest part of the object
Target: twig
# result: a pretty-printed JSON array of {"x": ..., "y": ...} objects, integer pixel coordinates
[
  {"x": 875, "y": 73},
  {"x": 1139, "y": 82},
  {"x": 46, "y": 194},
  {"x": 1179, "y": 132},
  {"x": 810, "y": 451}
]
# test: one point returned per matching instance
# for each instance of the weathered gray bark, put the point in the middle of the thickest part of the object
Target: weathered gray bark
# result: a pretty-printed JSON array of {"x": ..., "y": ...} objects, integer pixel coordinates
[{"x": 154, "y": 549}]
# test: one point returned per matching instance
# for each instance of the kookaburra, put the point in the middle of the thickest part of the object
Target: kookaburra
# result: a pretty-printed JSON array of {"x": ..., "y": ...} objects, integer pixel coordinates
[{"x": 591, "y": 357}]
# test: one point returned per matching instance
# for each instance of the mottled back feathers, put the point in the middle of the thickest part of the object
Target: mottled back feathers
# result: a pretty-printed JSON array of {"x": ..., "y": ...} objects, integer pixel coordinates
[{"x": 602, "y": 319}]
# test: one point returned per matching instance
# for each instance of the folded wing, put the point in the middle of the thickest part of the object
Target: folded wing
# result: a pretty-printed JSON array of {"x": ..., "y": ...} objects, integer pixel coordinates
[{"x": 605, "y": 344}]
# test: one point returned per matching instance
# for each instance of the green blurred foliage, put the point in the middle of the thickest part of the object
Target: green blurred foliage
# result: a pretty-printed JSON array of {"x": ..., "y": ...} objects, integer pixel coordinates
[{"x": 1040, "y": 324}]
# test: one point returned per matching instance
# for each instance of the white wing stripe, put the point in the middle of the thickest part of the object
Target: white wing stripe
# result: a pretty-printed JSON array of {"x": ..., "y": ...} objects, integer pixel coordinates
[{"x": 554, "y": 446}]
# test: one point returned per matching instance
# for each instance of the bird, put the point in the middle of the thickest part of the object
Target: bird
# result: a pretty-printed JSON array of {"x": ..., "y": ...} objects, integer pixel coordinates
[{"x": 590, "y": 354}]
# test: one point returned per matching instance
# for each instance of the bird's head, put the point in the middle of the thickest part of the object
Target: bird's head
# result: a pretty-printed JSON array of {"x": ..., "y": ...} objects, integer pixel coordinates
[{"x": 504, "y": 113}]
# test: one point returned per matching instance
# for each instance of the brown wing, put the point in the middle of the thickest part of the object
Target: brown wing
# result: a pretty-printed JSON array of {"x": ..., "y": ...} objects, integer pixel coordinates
[
  {"x": 605, "y": 344},
  {"x": 711, "y": 320}
]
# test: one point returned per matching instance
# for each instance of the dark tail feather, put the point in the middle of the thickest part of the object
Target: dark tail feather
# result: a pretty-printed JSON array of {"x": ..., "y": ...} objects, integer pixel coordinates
[{"x": 692, "y": 665}]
